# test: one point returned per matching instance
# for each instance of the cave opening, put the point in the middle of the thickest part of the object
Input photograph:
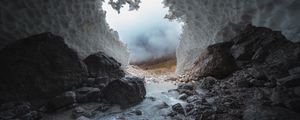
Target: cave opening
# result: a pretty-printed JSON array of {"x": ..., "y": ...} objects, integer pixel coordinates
[{"x": 151, "y": 37}]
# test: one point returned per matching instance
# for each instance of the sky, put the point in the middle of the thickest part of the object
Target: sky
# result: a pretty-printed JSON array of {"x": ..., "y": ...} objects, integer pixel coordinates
[{"x": 146, "y": 32}]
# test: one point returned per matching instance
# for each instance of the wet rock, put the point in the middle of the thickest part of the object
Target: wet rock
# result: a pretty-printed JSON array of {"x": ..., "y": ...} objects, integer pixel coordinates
[
  {"x": 207, "y": 82},
  {"x": 189, "y": 107},
  {"x": 103, "y": 107},
  {"x": 87, "y": 94},
  {"x": 182, "y": 96},
  {"x": 83, "y": 118},
  {"x": 79, "y": 111},
  {"x": 172, "y": 114},
  {"x": 125, "y": 92},
  {"x": 67, "y": 99},
  {"x": 187, "y": 92},
  {"x": 161, "y": 105},
  {"x": 39, "y": 67},
  {"x": 186, "y": 86},
  {"x": 137, "y": 112},
  {"x": 101, "y": 65},
  {"x": 178, "y": 108},
  {"x": 290, "y": 81},
  {"x": 193, "y": 98}
]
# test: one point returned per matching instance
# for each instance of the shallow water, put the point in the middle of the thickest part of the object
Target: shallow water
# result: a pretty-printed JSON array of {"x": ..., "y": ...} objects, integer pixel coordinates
[{"x": 151, "y": 109}]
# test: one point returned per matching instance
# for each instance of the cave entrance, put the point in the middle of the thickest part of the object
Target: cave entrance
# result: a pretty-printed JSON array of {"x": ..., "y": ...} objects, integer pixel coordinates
[{"x": 151, "y": 38}]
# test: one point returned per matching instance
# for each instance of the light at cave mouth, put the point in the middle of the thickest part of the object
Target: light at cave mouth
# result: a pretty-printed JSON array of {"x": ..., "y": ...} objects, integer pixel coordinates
[{"x": 149, "y": 36}]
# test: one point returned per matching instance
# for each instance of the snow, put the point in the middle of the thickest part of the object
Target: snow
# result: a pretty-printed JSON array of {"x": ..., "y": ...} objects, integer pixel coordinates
[
  {"x": 81, "y": 22},
  {"x": 211, "y": 21}
]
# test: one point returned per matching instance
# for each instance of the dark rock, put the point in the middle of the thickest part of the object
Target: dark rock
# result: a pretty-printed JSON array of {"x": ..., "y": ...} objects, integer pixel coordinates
[
  {"x": 161, "y": 105},
  {"x": 293, "y": 104},
  {"x": 189, "y": 107},
  {"x": 207, "y": 82},
  {"x": 39, "y": 67},
  {"x": 137, "y": 112},
  {"x": 193, "y": 98},
  {"x": 290, "y": 81},
  {"x": 244, "y": 83},
  {"x": 83, "y": 118},
  {"x": 187, "y": 86},
  {"x": 101, "y": 65},
  {"x": 172, "y": 114},
  {"x": 87, "y": 94},
  {"x": 294, "y": 71},
  {"x": 187, "y": 92},
  {"x": 216, "y": 61},
  {"x": 178, "y": 108},
  {"x": 125, "y": 92},
  {"x": 103, "y": 107},
  {"x": 62, "y": 101},
  {"x": 32, "y": 115},
  {"x": 297, "y": 91},
  {"x": 183, "y": 96},
  {"x": 79, "y": 111},
  {"x": 269, "y": 113}
]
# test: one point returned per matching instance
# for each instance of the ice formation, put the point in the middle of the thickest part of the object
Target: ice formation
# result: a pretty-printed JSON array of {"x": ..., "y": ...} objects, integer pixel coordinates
[
  {"x": 211, "y": 21},
  {"x": 81, "y": 22}
]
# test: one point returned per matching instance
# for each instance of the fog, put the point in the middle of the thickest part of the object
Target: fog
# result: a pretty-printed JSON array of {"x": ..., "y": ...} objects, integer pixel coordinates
[{"x": 146, "y": 32}]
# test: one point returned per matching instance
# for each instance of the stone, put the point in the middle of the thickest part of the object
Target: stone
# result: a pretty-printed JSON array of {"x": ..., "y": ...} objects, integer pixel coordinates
[
  {"x": 216, "y": 62},
  {"x": 79, "y": 111},
  {"x": 189, "y": 107},
  {"x": 161, "y": 105},
  {"x": 125, "y": 92},
  {"x": 290, "y": 81},
  {"x": 67, "y": 99},
  {"x": 207, "y": 82},
  {"x": 294, "y": 71},
  {"x": 83, "y": 118},
  {"x": 101, "y": 65},
  {"x": 187, "y": 86},
  {"x": 244, "y": 83},
  {"x": 293, "y": 104},
  {"x": 103, "y": 107},
  {"x": 178, "y": 108},
  {"x": 32, "y": 115},
  {"x": 297, "y": 91},
  {"x": 39, "y": 67},
  {"x": 182, "y": 96},
  {"x": 87, "y": 94},
  {"x": 193, "y": 98},
  {"x": 137, "y": 112}
]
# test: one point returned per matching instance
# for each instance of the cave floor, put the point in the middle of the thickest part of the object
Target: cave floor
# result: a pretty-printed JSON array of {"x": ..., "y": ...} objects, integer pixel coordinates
[{"x": 161, "y": 95}]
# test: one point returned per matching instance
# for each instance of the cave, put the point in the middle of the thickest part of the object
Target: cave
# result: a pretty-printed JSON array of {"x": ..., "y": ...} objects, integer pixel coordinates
[{"x": 150, "y": 60}]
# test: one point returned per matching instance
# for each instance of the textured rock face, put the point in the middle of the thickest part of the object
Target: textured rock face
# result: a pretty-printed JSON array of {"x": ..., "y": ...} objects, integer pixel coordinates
[
  {"x": 126, "y": 92},
  {"x": 216, "y": 62},
  {"x": 81, "y": 23},
  {"x": 40, "y": 66},
  {"x": 211, "y": 21},
  {"x": 101, "y": 65}
]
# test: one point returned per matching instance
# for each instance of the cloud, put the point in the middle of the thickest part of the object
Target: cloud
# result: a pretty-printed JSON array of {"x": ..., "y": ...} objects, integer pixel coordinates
[{"x": 146, "y": 32}]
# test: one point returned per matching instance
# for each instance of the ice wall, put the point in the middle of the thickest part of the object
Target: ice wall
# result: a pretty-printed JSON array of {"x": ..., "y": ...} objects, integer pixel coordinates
[
  {"x": 81, "y": 22},
  {"x": 211, "y": 21}
]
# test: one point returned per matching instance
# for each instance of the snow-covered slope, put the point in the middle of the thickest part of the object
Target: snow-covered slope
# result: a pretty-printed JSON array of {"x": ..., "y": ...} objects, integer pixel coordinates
[
  {"x": 81, "y": 22},
  {"x": 211, "y": 21}
]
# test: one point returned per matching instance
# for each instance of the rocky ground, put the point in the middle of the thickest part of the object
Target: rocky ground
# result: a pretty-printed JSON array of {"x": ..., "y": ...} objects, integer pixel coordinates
[{"x": 254, "y": 76}]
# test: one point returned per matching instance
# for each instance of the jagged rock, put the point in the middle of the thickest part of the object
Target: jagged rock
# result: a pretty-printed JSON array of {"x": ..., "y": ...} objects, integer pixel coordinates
[
  {"x": 87, "y": 94},
  {"x": 187, "y": 86},
  {"x": 254, "y": 112},
  {"x": 216, "y": 61},
  {"x": 290, "y": 81},
  {"x": 182, "y": 96},
  {"x": 178, "y": 108},
  {"x": 126, "y": 92},
  {"x": 18, "y": 110},
  {"x": 101, "y": 65},
  {"x": 294, "y": 71},
  {"x": 67, "y": 99},
  {"x": 39, "y": 67},
  {"x": 207, "y": 82}
]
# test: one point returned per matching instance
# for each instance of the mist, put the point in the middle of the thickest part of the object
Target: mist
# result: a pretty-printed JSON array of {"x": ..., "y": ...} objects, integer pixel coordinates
[{"x": 146, "y": 32}]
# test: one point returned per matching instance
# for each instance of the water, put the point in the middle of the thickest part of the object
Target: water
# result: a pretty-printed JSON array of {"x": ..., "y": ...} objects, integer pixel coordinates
[{"x": 151, "y": 109}]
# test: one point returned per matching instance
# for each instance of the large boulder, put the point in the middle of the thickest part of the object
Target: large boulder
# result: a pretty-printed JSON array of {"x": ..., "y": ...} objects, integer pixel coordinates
[
  {"x": 39, "y": 67},
  {"x": 101, "y": 65},
  {"x": 125, "y": 92},
  {"x": 216, "y": 61}
]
